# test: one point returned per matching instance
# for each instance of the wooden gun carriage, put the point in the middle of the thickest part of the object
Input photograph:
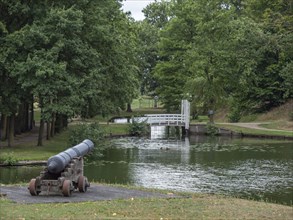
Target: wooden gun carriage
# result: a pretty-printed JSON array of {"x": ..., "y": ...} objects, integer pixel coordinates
[{"x": 64, "y": 172}]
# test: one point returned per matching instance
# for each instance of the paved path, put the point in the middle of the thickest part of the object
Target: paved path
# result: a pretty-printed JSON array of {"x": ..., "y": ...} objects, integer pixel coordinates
[
  {"x": 20, "y": 194},
  {"x": 253, "y": 125}
]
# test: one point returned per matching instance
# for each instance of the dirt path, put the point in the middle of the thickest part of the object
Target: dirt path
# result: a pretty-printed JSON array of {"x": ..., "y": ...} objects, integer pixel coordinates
[
  {"x": 28, "y": 137},
  {"x": 20, "y": 194}
]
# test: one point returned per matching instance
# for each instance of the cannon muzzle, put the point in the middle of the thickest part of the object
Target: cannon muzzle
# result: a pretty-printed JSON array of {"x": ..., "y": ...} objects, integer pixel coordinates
[{"x": 57, "y": 163}]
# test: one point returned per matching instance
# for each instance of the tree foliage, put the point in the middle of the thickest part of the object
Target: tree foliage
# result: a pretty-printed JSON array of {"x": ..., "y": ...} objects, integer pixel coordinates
[
  {"x": 226, "y": 52},
  {"x": 70, "y": 56}
]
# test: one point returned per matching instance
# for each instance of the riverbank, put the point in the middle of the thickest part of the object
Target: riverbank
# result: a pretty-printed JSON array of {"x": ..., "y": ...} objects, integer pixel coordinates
[
  {"x": 254, "y": 130},
  {"x": 189, "y": 206},
  {"x": 26, "y": 150},
  {"x": 242, "y": 130}
]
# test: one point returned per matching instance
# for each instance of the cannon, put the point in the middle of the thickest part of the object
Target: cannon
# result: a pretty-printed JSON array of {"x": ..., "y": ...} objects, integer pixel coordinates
[{"x": 64, "y": 172}]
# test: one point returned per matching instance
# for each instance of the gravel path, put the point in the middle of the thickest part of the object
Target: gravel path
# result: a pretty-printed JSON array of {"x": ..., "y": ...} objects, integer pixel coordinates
[{"x": 20, "y": 194}]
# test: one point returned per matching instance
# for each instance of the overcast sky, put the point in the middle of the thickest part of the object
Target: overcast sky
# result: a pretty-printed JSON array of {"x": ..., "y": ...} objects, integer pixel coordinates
[{"x": 135, "y": 7}]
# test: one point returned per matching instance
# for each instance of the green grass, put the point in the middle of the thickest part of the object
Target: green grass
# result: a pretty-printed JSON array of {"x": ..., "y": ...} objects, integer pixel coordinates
[
  {"x": 279, "y": 125},
  {"x": 144, "y": 102},
  {"x": 196, "y": 206},
  {"x": 201, "y": 119},
  {"x": 29, "y": 151},
  {"x": 115, "y": 129},
  {"x": 252, "y": 131},
  {"x": 249, "y": 118}
]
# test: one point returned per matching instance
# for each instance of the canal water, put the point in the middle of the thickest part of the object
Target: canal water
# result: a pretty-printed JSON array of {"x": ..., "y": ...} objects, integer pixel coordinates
[{"x": 247, "y": 168}]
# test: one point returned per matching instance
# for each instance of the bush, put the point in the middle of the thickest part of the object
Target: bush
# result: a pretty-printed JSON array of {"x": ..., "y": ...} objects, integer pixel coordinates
[
  {"x": 138, "y": 128},
  {"x": 234, "y": 115},
  {"x": 89, "y": 131},
  {"x": 9, "y": 159},
  {"x": 212, "y": 130}
]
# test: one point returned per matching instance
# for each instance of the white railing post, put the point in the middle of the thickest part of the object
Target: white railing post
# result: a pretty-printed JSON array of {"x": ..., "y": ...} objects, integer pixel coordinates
[{"x": 186, "y": 113}]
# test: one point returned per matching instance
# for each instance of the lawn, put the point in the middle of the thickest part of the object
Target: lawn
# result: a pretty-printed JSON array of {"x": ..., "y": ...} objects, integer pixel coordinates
[
  {"x": 251, "y": 131},
  {"x": 193, "y": 206},
  {"x": 29, "y": 150}
]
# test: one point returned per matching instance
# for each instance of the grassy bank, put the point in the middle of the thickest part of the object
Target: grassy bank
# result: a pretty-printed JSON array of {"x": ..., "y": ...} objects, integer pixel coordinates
[
  {"x": 29, "y": 150},
  {"x": 252, "y": 131},
  {"x": 196, "y": 206}
]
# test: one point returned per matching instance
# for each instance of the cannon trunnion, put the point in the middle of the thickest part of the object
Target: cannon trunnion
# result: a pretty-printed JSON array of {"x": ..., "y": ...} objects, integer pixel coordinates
[{"x": 64, "y": 172}]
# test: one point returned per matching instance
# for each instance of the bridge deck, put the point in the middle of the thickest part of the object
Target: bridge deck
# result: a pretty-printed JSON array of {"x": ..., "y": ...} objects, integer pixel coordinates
[
  {"x": 169, "y": 124},
  {"x": 166, "y": 120},
  {"x": 181, "y": 120}
]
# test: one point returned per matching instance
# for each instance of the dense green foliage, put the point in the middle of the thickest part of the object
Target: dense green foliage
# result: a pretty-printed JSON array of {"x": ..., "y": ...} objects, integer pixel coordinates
[
  {"x": 68, "y": 56},
  {"x": 90, "y": 131},
  {"x": 224, "y": 52},
  {"x": 212, "y": 130},
  {"x": 136, "y": 128}
]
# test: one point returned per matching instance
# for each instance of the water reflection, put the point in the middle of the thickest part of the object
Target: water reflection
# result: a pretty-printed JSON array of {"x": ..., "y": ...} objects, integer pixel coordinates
[
  {"x": 10, "y": 175},
  {"x": 250, "y": 168}
]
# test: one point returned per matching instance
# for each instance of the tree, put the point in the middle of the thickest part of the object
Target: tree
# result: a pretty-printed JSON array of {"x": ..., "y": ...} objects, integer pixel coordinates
[
  {"x": 148, "y": 37},
  {"x": 269, "y": 80},
  {"x": 69, "y": 56},
  {"x": 157, "y": 13},
  {"x": 212, "y": 51},
  {"x": 192, "y": 49},
  {"x": 15, "y": 101}
]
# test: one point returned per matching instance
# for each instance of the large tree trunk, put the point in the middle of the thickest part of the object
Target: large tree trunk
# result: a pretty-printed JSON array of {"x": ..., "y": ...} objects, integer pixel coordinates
[
  {"x": 26, "y": 117},
  {"x": 129, "y": 107},
  {"x": 18, "y": 122},
  {"x": 11, "y": 130},
  {"x": 32, "y": 123},
  {"x": 53, "y": 125},
  {"x": 48, "y": 130},
  {"x": 3, "y": 127},
  {"x": 58, "y": 123},
  {"x": 41, "y": 132},
  {"x": 65, "y": 121}
]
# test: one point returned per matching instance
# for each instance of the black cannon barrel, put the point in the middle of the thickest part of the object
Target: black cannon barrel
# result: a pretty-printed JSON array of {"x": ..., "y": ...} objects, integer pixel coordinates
[{"x": 57, "y": 163}]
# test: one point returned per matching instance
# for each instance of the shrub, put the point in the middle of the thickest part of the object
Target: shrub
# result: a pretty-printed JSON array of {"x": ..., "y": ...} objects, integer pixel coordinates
[
  {"x": 9, "y": 159},
  {"x": 89, "y": 131},
  {"x": 234, "y": 115},
  {"x": 138, "y": 128},
  {"x": 212, "y": 130}
]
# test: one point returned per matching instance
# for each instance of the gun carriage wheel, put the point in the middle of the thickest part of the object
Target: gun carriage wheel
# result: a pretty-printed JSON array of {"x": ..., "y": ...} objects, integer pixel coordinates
[
  {"x": 33, "y": 188},
  {"x": 66, "y": 188},
  {"x": 82, "y": 184}
]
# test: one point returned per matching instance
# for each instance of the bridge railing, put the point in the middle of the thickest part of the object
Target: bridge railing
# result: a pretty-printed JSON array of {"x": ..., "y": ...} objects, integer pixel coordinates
[{"x": 168, "y": 119}]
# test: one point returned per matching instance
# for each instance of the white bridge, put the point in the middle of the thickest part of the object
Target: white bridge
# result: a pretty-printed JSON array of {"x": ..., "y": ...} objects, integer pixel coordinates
[{"x": 181, "y": 120}]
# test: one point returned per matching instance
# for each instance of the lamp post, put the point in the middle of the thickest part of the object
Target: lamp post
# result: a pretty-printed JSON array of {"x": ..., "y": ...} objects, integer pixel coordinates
[
  {"x": 211, "y": 116},
  {"x": 156, "y": 101}
]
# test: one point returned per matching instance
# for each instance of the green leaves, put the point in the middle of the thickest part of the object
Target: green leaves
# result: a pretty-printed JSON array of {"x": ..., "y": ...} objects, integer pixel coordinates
[
  {"x": 70, "y": 56},
  {"x": 215, "y": 50}
]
